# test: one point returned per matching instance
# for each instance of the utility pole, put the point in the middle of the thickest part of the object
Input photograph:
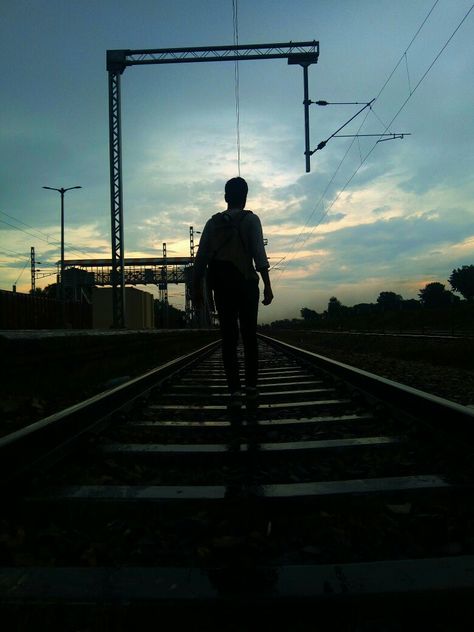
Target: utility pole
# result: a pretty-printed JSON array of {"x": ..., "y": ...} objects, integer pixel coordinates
[
  {"x": 163, "y": 288},
  {"x": 33, "y": 270},
  {"x": 191, "y": 242},
  {"x": 187, "y": 287},
  {"x": 62, "y": 191}
]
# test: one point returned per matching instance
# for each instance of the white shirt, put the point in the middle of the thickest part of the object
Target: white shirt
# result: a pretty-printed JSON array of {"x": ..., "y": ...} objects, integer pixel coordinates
[{"x": 252, "y": 235}]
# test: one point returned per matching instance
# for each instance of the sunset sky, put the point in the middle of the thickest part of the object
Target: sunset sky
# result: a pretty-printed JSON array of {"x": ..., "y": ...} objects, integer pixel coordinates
[{"x": 370, "y": 217}]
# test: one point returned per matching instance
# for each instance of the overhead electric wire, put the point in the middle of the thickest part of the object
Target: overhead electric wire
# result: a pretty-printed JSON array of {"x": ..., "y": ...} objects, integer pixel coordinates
[
  {"x": 407, "y": 49},
  {"x": 393, "y": 119},
  {"x": 235, "y": 18},
  {"x": 321, "y": 198},
  {"x": 19, "y": 276},
  {"x": 352, "y": 142},
  {"x": 386, "y": 127},
  {"x": 21, "y": 229},
  {"x": 23, "y": 223},
  {"x": 48, "y": 240},
  {"x": 6, "y": 250}
]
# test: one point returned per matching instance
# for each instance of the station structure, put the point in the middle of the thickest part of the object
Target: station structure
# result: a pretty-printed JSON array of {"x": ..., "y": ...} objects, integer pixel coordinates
[{"x": 79, "y": 274}]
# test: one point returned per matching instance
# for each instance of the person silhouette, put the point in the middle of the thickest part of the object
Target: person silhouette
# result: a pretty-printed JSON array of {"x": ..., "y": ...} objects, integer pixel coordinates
[{"x": 231, "y": 251}]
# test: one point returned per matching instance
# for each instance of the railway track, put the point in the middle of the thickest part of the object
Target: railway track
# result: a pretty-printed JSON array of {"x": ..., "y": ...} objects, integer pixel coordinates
[{"x": 341, "y": 491}]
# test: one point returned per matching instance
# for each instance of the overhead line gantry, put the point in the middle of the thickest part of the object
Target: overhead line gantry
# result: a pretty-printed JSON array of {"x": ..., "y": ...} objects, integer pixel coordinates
[{"x": 300, "y": 53}]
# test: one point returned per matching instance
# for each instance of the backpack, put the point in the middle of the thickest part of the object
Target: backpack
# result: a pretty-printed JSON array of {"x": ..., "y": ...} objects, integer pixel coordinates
[{"x": 231, "y": 262}]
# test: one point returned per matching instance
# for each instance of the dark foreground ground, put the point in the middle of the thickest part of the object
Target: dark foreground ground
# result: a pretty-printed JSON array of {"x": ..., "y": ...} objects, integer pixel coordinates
[{"x": 47, "y": 371}]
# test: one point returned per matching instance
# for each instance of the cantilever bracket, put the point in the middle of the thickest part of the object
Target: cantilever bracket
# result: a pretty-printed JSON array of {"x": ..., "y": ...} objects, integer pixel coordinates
[
  {"x": 116, "y": 60},
  {"x": 305, "y": 60}
]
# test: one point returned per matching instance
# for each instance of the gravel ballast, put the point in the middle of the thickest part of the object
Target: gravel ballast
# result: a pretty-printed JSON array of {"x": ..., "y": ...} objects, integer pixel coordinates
[{"x": 439, "y": 366}]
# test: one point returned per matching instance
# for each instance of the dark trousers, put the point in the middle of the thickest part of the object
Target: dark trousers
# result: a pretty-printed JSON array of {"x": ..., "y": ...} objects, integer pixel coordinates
[{"x": 237, "y": 304}]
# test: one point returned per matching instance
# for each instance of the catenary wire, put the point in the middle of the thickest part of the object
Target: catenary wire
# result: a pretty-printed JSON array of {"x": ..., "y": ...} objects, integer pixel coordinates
[
  {"x": 46, "y": 237},
  {"x": 393, "y": 119},
  {"x": 5, "y": 251},
  {"x": 20, "y": 275},
  {"x": 352, "y": 142},
  {"x": 407, "y": 49},
  {"x": 328, "y": 208}
]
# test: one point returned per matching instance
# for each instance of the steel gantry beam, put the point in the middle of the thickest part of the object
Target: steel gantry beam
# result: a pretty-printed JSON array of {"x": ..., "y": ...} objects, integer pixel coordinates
[
  {"x": 137, "y": 270},
  {"x": 302, "y": 53},
  {"x": 305, "y": 51}
]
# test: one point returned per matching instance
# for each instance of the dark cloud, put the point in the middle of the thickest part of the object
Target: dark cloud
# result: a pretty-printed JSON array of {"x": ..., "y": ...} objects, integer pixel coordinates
[{"x": 394, "y": 247}]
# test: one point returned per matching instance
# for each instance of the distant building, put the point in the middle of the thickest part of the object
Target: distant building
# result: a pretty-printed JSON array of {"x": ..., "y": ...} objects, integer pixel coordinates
[
  {"x": 78, "y": 284},
  {"x": 139, "y": 312}
]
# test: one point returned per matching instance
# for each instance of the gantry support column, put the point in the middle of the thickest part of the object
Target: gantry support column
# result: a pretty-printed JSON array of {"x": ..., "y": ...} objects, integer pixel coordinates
[
  {"x": 115, "y": 67},
  {"x": 33, "y": 270},
  {"x": 187, "y": 289}
]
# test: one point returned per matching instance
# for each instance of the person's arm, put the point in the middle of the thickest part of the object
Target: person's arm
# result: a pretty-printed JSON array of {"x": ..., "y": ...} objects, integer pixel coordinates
[
  {"x": 261, "y": 260},
  {"x": 267, "y": 287}
]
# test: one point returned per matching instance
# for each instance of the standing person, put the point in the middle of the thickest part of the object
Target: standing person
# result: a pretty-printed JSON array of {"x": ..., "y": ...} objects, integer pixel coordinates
[{"x": 231, "y": 243}]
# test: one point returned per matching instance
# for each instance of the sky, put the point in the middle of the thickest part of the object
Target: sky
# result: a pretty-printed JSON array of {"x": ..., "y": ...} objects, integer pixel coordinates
[{"x": 369, "y": 217}]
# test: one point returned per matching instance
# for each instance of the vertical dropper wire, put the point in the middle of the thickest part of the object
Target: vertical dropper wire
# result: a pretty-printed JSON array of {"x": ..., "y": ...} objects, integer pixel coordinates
[{"x": 235, "y": 15}]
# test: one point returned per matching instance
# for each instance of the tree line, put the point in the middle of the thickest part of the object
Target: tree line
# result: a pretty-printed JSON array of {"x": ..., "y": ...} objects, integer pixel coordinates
[{"x": 436, "y": 307}]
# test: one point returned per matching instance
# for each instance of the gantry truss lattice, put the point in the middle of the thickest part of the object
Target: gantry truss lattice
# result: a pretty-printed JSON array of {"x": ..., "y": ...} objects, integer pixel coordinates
[
  {"x": 159, "y": 271},
  {"x": 120, "y": 59}
]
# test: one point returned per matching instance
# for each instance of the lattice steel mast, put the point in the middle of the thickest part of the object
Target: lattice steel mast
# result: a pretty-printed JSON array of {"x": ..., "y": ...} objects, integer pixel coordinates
[
  {"x": 302, "y": 53},
  {"x": 33, "y": 269}
]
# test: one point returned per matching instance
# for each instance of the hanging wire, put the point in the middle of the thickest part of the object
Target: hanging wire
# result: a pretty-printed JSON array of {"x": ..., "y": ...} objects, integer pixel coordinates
[
  {"x": 19, "y": 276},
  {"x": 377, "y": 117},
  {"x": 292, "y": 252},
  {"x": 235, "y": 18},
  {"x": 408, "y": 73},
  {"x": 396, "y": 116},
  {"x": 341, "y": 191},
  {"x": 407, "y": 49},
  {"x": 6, "y": 251},
  {"x": 46, "y": 238}
]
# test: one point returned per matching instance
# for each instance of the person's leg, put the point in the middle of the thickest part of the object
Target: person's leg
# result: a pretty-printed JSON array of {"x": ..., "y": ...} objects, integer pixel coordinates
[
  {"x": 228, "y": 315},
  {"x": 248, "y": 311}
]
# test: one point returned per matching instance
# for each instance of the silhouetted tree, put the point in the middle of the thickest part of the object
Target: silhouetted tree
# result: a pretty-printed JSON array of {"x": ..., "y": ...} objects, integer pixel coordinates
[
  {"x": 309, "y": 314},
  {"x": 462, "y": 281},
  {"x": 51, "y": 291},
  {"x": 363, "y": 309},
  {"x": 435, "y": 295},
  {"x": 334, "y": 307},
  {"x": 410, "y": 304},
  {"x": 286, "y": 323},
  {"x": 389, "y": 301}
]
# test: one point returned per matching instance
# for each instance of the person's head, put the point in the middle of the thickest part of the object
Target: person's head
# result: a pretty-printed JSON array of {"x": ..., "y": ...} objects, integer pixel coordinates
[{"x": 236, "y": 190}]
